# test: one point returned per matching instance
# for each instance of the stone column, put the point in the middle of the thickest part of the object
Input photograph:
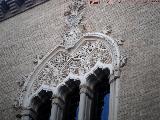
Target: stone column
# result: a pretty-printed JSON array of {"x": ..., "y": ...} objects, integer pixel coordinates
[
  {"x": 86, "y": 97},
  {"x": 28, "y": 114},
  {"x": 57, "y": 108},
  {"x": 114, "y": 97}
]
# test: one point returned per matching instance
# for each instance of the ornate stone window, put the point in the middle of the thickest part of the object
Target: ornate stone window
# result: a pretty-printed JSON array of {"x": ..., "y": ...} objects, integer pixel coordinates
[{"x": 76, "y": 81}]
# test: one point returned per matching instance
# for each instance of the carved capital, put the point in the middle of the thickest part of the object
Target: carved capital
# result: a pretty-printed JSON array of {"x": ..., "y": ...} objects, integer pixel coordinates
[
  {"x": 58, "y": 101},
  {"x": 123, "y": 60},
  {"x": 28, "y": 112},
  {"x": 117, "y": 73},
  {"x": 87, "y": 90}
]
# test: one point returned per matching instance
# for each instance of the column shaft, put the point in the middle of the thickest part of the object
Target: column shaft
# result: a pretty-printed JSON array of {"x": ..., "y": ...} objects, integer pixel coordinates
[
  {"x": 86, "y": 97},
  {"x": 57, "y": 109}
]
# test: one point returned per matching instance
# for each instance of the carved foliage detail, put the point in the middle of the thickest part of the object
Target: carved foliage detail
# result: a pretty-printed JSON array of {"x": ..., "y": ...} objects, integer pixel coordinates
[{"x": 78, "y": 62}]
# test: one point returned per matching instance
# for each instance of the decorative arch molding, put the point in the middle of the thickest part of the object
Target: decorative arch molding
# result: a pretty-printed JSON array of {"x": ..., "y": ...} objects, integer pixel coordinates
[{"x": 92, "y": 51}]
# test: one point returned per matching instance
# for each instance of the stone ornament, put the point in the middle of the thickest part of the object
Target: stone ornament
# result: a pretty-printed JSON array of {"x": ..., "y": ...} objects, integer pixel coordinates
[
  {"x": 92, "y": 51},
  {"x": 73, "y": 20},
  {"x": 77, "y": 58}
]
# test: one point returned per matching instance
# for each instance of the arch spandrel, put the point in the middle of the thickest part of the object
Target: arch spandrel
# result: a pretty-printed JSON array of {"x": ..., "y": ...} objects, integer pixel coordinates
[{"x": 93, "y": 48}]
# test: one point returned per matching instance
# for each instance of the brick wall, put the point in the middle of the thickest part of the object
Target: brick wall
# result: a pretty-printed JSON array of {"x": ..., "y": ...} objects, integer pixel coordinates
[{"x": 38, "y": 30}]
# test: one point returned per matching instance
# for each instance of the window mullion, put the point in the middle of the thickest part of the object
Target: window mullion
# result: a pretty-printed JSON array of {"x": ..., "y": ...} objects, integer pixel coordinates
[
  {"x": 57, "y": 108},
  {"x": 86, "y": 97}
]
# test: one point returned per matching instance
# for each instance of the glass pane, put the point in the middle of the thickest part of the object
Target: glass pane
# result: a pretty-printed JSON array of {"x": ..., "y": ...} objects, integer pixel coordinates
[
  {"x": 76, "y": 118},
  {"x": 105, "y": 109}
]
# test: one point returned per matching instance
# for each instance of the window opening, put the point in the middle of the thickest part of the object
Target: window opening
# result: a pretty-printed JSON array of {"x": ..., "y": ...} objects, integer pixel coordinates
[
  {"x": 101, "y": 99},
  {"x": 44, "y": 109},
  {"x": 72, "y": 105}
]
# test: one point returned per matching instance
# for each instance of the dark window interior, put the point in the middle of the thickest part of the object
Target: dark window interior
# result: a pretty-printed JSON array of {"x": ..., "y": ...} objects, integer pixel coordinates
[
  {"x": 101, "y": 99},
  {"x": 100, "y": 107},
  {"x": 94, "y": 2},
  {"x": 72, "y": 105},
  {"x": 44, "y": 109}
]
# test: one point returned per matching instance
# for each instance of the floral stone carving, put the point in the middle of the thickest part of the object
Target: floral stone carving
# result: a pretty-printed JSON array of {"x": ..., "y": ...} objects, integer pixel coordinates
[{"x": 58, "y": 65}]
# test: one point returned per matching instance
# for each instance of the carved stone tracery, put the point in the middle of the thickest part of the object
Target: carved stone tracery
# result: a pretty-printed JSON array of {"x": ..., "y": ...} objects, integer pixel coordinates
[
  {"x": 78, "y": 63},
  {"x": 61, "y": 63}
]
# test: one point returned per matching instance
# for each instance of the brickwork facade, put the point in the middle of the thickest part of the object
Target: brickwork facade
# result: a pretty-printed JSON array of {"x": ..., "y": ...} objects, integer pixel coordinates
[{"x": 38, "y": 31}]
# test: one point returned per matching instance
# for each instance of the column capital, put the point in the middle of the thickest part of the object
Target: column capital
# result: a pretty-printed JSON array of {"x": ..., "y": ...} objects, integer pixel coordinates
[
  {"x": 29, "y": 112},
  {"x": 87, "y": 90},
  {"x": 58, "y": 101}
]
